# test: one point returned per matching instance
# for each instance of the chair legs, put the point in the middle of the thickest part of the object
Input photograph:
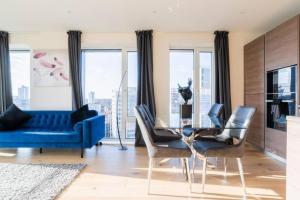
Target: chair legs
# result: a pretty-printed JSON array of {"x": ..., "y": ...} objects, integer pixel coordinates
[
  {"x": 194, "y": 163},
  {"x": 204, "y": 173},
  {"x": 242, "y": 175},
  {"x": 188, "y": 173},
  {"x": 225, "y": 172},
  {"x": 149, "y": 174},
  {"x": 187, "y": 168}
]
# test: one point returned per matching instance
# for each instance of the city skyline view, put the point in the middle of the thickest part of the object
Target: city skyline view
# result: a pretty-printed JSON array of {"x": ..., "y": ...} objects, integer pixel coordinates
[{"x": 102, "y": 96}]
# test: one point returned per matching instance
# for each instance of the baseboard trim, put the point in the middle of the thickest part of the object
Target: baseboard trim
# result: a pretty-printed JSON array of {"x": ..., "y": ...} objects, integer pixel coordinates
[
  {"x": 276, "y": 157},
  {"x": 268, "y": 153},
  {"x": 116, "y": 141}
]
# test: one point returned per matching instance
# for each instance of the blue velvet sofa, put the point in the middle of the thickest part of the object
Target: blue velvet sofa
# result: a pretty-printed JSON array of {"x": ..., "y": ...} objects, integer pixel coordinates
[{"x": 53, "y": 129}]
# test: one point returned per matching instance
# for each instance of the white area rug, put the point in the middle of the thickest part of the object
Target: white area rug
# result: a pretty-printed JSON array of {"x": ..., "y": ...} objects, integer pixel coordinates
[{"x": 35, "y": 181}]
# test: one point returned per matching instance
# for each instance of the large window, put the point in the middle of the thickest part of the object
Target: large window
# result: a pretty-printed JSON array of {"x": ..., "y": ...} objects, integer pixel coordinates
[
  {"x": 20, "y": 78},
  {"x": 197, "y": 65},
  {"x": 182, "y": 69},
  {"x": 103, "y": 71}
]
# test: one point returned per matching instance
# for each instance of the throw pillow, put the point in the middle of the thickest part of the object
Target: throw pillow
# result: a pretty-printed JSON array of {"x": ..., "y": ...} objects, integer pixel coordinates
[
  {"x": 80, "y": 114},
  {"x": 13, "y": 118}
]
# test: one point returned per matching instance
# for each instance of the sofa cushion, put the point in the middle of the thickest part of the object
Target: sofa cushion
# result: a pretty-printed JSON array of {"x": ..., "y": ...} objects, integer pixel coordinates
[
  {"x": 49, "y": 120},
  {"x": 39, "y": 136},
  {"x": 80, "y": 114},
  {"x": 13, "y": 117}
]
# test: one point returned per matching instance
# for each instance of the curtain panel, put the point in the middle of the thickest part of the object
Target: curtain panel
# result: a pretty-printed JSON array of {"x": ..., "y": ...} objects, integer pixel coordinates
[
  {"x": 74, "y": 46},
  {"x": 5, "y": 77},
  {"x": 145, "y": 87},
  {"x": 223, "y": 94}
]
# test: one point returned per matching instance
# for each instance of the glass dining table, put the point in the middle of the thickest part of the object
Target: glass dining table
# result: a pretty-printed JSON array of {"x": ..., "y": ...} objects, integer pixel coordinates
[{"x": 208, "y": 123}]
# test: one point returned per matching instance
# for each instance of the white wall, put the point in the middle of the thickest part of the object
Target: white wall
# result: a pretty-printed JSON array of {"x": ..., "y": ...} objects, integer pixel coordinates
[{"x": 60, "y": 97}]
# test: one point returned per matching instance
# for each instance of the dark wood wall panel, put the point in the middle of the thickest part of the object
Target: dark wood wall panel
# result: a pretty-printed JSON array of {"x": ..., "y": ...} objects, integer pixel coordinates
[
  {"x": 254, "y": 73},
  {"x": 256, "y": 132},
  {"x": 282, "y": 45},
  {"x": 254, "y": 63},
  {"x": 276, "y": 49}
]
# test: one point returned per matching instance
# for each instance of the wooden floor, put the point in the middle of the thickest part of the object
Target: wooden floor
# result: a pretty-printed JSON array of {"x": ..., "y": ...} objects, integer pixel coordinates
[{"x": 114, "y": 174}]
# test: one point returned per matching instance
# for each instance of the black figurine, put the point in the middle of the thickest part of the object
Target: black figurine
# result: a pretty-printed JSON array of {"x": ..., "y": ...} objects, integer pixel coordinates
[{"x": 186, "y": 92}]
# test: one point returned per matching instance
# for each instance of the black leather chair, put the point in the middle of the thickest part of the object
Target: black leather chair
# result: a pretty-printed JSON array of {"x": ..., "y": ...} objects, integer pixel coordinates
[
  {"x": 161, "y": 150},
  {"x": 159, "y": 134},
  {"x": 216, "y": 110},
  {"x": 236, "y": 129}
]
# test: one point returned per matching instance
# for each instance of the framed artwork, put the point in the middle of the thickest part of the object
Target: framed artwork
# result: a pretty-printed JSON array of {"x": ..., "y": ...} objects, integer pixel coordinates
[{"x": 50, "y": 68}]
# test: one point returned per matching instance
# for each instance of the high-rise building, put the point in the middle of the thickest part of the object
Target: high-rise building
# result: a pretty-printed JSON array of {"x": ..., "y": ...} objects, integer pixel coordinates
[
  {"x": 91, "y": 98},
  {"x": 131, "y": 100},
  {"x": 23, "y": 93},
  {"x": 102, "y": 106},
  {"x": 108, "y": 107},
  {"x": 22, "y": 99},
  {"x": 131, "y": 103},
  {"x": 116, "y": 110}
]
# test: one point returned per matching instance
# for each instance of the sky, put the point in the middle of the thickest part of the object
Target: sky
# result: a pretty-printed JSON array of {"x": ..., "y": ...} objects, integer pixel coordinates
[
  {"x": 182, "y": 65},
  {"x": 103, "y": 72}
]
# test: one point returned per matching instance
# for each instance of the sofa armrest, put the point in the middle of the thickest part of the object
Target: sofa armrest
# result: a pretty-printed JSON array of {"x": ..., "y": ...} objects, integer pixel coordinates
[
  {"x": 78, "y": 127},
  {"x": 93, "y": 130}
]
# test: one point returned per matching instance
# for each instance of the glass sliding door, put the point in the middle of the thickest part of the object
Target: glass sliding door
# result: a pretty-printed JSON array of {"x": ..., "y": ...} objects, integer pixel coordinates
[
  {"x": 181, "y": 69},
  {"x": 102, "y": 76},
  {"x": 196, "y": 64},
  {"x": 205, "y": 60},
  {"x": 103, "y": 71}
]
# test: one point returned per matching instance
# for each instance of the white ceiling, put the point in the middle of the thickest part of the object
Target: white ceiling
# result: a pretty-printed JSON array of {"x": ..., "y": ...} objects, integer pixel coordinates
[{"x": 130, "y": 15}]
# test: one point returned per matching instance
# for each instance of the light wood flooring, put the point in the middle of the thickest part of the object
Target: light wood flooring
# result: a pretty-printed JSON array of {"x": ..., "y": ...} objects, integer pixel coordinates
[{"x": 114, "y": 174}]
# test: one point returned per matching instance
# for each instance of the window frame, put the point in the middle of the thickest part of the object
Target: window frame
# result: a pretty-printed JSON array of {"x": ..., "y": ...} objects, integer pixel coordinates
[
  {"x": 124, "y": 88},
  {"x": 196, "y": 79}
]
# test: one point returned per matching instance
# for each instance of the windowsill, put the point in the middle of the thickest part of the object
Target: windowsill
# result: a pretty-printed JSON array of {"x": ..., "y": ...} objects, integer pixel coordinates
[{"x": 116, "y": 141}]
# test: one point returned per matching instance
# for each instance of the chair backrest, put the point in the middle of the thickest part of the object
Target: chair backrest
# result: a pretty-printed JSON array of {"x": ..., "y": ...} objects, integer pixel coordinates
[
  {"x": 149, "y": 114},
  {"x": 238, "y": 124},
  {"x": 216, "y": 110},
  {"x": 145, "y": 128}
]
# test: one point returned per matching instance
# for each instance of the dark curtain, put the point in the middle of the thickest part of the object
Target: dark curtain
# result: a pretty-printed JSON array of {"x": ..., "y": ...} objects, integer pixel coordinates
[
  {"x": 74, "y": 44},
  {"x": 5, "y": 77},
  {"x": 223, "y": 94},
  {"x": 145, "y": 87}
]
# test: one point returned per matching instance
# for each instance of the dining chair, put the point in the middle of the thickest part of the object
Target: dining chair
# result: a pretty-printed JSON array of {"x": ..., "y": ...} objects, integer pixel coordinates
[
  {"x": 236, "y": 129},
  {"x": 160, "y": 134},
  {"x": 216, "y": 110},
  {"x": 215, "y": 114},
  {"x": 172, "y": 149}
]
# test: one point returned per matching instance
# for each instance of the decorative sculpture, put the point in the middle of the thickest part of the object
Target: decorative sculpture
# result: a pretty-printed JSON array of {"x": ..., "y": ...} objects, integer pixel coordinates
[{"x": 186, "y": 92}]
